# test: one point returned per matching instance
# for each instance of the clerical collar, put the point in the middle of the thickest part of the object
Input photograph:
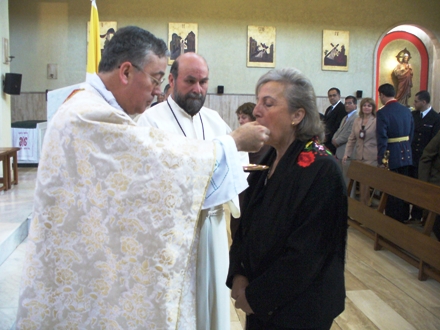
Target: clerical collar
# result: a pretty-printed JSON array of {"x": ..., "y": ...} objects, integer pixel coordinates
[
  {"x": 177, "y": 120},
  {"x": 96, "y": 82}
]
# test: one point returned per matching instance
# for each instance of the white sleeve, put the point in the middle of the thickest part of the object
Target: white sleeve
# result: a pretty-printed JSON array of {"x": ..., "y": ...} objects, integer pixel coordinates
[{"x": 228, "y": 179}]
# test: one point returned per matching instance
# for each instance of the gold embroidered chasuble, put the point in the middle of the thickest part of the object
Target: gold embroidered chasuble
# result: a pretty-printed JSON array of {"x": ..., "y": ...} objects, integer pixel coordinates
[{"x": 115, "y": 215}]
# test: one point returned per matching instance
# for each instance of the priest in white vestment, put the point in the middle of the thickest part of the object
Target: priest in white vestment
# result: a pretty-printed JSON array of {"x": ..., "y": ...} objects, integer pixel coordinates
[
  {"x": 183, "y": 113},
  {"x": 117, "y": 205}
]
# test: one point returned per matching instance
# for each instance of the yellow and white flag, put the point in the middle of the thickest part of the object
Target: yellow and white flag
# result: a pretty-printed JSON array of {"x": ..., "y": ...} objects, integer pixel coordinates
[{"x": 94, "y": 47}]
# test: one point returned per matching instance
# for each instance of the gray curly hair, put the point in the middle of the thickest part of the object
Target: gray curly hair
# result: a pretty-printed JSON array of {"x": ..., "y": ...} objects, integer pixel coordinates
[{"x": 299, "y": 93}]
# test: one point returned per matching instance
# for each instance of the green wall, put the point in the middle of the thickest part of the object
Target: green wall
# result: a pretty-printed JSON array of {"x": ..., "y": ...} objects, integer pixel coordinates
[{"x": 43, "y": 32}]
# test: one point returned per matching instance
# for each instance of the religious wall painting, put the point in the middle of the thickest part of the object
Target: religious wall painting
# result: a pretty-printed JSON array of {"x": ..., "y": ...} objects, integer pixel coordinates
[
  {"x": 106, "y": 32},
  {"x": 335, "y": 50},
  {"x": 261, "y": 46},
  {"x": 182, "y": 38}
]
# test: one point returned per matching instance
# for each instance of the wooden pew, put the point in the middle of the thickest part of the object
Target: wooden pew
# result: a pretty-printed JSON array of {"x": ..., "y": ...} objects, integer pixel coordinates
[
  {"x": 416, "y": 247},
  {"x": 5, "y": 170}
]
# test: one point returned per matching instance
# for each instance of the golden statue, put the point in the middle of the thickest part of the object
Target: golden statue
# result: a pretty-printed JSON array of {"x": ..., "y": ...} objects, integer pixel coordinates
[{"x": 403, "y": 74}]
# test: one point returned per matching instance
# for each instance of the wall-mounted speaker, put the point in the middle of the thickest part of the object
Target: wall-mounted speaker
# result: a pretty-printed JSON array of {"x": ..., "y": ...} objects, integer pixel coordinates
[
  {"x": 359, "y": 94},
  {"x": 12, "y": 83},
  {"x": 220, "y": 89}
]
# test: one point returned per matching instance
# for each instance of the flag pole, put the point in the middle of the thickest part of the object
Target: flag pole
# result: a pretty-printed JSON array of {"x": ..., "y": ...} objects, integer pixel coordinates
[{"x": 94, "y": 47}]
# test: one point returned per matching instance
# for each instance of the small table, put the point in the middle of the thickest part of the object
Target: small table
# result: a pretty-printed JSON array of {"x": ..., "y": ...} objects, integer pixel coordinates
[{"x": 5, "y": 158}]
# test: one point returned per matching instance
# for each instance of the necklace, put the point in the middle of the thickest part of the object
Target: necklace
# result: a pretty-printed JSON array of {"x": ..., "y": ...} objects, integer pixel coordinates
[{"x": 178, "y": 123}]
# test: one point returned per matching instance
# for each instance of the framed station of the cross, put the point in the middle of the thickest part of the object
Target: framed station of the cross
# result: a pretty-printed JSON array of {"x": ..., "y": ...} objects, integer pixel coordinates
[{"x": 335, "y": 50}]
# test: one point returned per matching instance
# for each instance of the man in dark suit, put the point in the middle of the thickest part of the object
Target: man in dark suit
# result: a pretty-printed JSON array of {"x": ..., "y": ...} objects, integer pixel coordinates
[
  {"x": 394, "y": 130},
  {"x": 333, "y": 117},
  {"x": 426, "y": 126},
  {"x": 340, "y": 138}
]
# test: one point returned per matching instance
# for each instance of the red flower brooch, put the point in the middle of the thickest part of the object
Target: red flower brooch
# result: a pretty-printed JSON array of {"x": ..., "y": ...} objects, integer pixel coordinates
[
  {"x": 312, "y": 149},
  {"x": 306, "y": 158}
]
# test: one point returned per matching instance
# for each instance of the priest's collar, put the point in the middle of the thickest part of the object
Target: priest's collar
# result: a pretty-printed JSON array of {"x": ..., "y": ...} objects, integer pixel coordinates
[{"x": 96, "y": 82}]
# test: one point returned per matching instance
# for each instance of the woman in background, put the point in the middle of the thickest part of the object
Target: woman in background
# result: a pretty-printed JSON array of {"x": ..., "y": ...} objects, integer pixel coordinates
[
  {"x": 287, "y": 258},
  {"x": 244, "y": 115},
  {"x": 363, "y": 136}
]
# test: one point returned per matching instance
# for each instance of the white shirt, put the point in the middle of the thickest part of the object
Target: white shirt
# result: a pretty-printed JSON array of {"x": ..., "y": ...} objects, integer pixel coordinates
[
  {"x": 351, "y": 113},
  {"x": 424, "y": 113},
  {"x": 334, "y": 106}
]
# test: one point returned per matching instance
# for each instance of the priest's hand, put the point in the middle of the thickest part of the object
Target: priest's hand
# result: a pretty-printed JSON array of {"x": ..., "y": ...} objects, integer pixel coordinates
[{"x": 250, "y": 137}]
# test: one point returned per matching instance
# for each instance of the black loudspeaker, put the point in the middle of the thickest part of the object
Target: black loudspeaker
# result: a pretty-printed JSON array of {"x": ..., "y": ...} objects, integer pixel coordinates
[
  {"x": 359, "y": 94},
  {"x": 12, "y": 83},
  {"x": 220, "y": 89}
]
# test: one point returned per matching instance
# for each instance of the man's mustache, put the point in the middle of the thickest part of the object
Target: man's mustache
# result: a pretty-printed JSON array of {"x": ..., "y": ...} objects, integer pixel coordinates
[{"x": 197, "y": 96}]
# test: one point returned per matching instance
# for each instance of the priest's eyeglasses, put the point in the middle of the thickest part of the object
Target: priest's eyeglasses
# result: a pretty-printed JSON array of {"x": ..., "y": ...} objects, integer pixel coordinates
[{"x": 156, "y": 82}]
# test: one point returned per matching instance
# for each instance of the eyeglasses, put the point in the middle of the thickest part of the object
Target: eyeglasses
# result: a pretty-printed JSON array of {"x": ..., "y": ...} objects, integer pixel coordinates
[{"x": 156, "y": 82}]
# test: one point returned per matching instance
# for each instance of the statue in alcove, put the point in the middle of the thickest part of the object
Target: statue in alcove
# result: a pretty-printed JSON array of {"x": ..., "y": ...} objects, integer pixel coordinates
[{"x": 402, "y": 77}]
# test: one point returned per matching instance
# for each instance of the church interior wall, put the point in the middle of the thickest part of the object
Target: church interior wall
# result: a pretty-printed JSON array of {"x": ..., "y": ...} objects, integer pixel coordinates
[
  {"x": 5, "y": 100},
  {"x": 44, "y": 32}
]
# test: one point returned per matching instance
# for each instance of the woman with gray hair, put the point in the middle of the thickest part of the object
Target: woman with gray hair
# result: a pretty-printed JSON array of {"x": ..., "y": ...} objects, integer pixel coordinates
[{"x": 287, "y": 259}]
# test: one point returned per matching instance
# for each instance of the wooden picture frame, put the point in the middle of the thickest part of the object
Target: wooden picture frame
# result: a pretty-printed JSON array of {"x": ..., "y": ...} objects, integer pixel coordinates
[
  {"x": 261, "y": 46},
  {"x": 182, "y": 38},
  {"x": 335, "y": 50}
]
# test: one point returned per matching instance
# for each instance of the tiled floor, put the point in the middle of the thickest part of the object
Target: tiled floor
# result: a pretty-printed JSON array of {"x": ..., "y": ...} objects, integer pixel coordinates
[
  {"x": 382, "y": 290},
  {"x": 15, "y": 207},
  {"x": 10, "y": 274}
]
